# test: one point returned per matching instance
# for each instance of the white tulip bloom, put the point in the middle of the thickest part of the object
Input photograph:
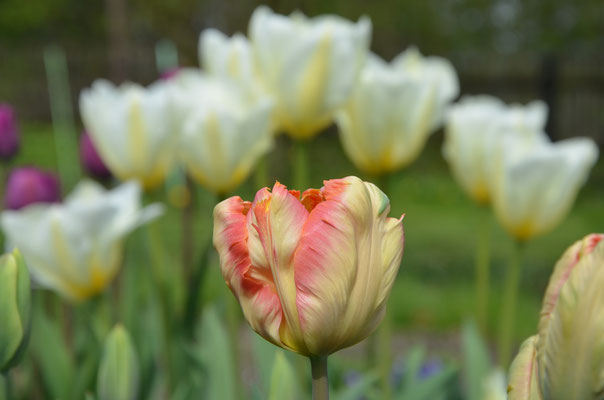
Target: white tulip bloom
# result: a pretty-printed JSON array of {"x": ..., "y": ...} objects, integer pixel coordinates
[
  {"x": 438, "y": 77},
  {"x": 393, "y": 110},
  {"x": 75, "y": 248},
  {"x": 227, "y": 57},
  {"x": 224, "y": 130},
  {"x": 474, "y": 131},
  {"x": 533, "y": 190},
  {"x": 310, "y": 66},
  {"x": 131, "y": 128}
]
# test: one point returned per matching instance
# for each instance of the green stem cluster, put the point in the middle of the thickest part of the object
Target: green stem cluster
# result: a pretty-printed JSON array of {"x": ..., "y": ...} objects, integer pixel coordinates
[
  {"x": 509, "y": 305},
  {"x": 482, "y": 272}
]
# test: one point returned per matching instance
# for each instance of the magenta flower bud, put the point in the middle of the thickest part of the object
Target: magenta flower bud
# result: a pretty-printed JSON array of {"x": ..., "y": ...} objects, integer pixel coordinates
[
  {"x": 30, "y": 185},
  {"x": 9, "y": 134},
  {"x": 90, "y": 158},
  {"x": 169, "y": 73}
]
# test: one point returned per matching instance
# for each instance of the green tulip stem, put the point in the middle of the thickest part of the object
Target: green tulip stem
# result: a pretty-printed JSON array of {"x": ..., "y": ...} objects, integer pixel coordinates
[
  {"x": 380, "y": 343},
  {"x": 482, "y": 270},
  {"x": 300, "y": 165},
  {"x": 5, "y": 381},
  {"x": 320, "y": 380},
  {"x": 509, "y": 305},
  {"x": 261, "y": 176},
  {"x": 159, "y": 264},
  {"x": 193, "y": 308},
  {"x": 187, "y": 231}
]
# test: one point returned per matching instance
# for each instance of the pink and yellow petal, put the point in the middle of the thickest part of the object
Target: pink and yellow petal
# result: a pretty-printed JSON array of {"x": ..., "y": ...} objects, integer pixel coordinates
[
  {"x": 280, "y": 219},
  {"x": 258, "y": 298},
  {"x": 523, "y": 378}
]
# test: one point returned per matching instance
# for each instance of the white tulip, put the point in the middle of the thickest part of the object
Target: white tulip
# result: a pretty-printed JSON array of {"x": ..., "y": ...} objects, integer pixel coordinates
[
  {"x": 228, "y": 57},
  {"x": 393, "y": 110},
  {"x": 534, "y": 189},
  {"x": 131, "y": 129},
  {"x": 438, "y": 77},
  {"x": 75, "y": 248},
  {"x": 475, "y": 129},
  {"x": 309, "y": 66},
  {"x": 224, "y": 130}
]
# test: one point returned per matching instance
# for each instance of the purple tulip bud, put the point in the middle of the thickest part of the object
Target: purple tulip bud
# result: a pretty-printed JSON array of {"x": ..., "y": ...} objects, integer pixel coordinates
[
  {"x": 9, "y": 134},
  {"x": 30, "y": 185},
  {"x": 90, "y": 158},
  {"x": 169, "y": 73}
]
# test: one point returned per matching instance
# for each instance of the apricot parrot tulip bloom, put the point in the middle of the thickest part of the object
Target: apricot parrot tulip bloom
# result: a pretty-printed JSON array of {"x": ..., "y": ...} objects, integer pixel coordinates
[
  {"x": 394, "y": 109},
  {"x": 565, "y": 360},
  {"x": 312, "y": 273},
  {"x": 75, "y": 248},
  {"x": 131, "y": 128},
  {"x": 534, "y": 190},
  {"x": 308, "y": 65},
  {"x": 474, "y": 131}
]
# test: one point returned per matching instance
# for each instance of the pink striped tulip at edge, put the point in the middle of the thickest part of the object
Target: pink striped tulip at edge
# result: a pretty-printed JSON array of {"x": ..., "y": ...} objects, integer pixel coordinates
[
  {"x": 565, "y": 359},
  {"x": 312, "y": 273}
]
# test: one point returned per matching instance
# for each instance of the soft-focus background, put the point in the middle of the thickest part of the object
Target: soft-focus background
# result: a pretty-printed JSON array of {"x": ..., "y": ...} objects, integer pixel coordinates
[{"x": 516, "y": 50}]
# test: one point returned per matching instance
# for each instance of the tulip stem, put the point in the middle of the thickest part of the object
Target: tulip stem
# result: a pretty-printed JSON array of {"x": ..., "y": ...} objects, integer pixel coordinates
[
  {"x": 194, "y": 293},
  {"x": 8, "y": 389},
  {"x": 482, "y": 271},
  {"x": 158, "y": 263},
  {"x": 508, "y": 307},
  {"x": 300, "y": 165},
  {"x": 320, "y": 380},
  {"x": 261, "y": 178}
]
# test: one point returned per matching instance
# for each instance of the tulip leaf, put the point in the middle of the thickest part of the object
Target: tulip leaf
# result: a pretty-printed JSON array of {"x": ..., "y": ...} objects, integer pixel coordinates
[
  {"x": 264, "y": 357},
  {"x": 477, "y": 362},
  {"x": 432, "y": 388},
  {"x": 217, "y": 358},
  {"x": 358, "y": 389},
  {"x": 283, "y": 379},
  {"x": 52, "y": 353}
]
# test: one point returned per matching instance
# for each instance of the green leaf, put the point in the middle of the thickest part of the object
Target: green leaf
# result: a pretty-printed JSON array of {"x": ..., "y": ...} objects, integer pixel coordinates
[
  {"x": 53, "y": 355},
  {"x": 216, "y": 357},
  {"x": 477, "y": 362},
  {"x": 358, "y": 390},
  {"x": 283, "y": 379},
  {"x": 433, "y": 388},
  {"x": 264, "y": 356}
]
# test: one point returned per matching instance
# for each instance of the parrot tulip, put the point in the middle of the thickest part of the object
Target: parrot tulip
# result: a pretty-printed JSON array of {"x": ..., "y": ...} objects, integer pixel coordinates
[
  {"x": 565, "y": 360},
  {"x": 312, "y": 273}
]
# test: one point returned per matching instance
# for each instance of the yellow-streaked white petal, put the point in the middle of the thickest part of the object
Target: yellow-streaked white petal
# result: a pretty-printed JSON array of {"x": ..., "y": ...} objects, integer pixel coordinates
[
  {"x": 474, "y": 134},
  {"x": 309, "y": 66},
  {"x": 224, "y": 131},
  {"x": 131, "y": 128},
  {"x": 389, "y": 118},
  {"x": 533, "y": 192},
  {"x": 75, "y": 247}
]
